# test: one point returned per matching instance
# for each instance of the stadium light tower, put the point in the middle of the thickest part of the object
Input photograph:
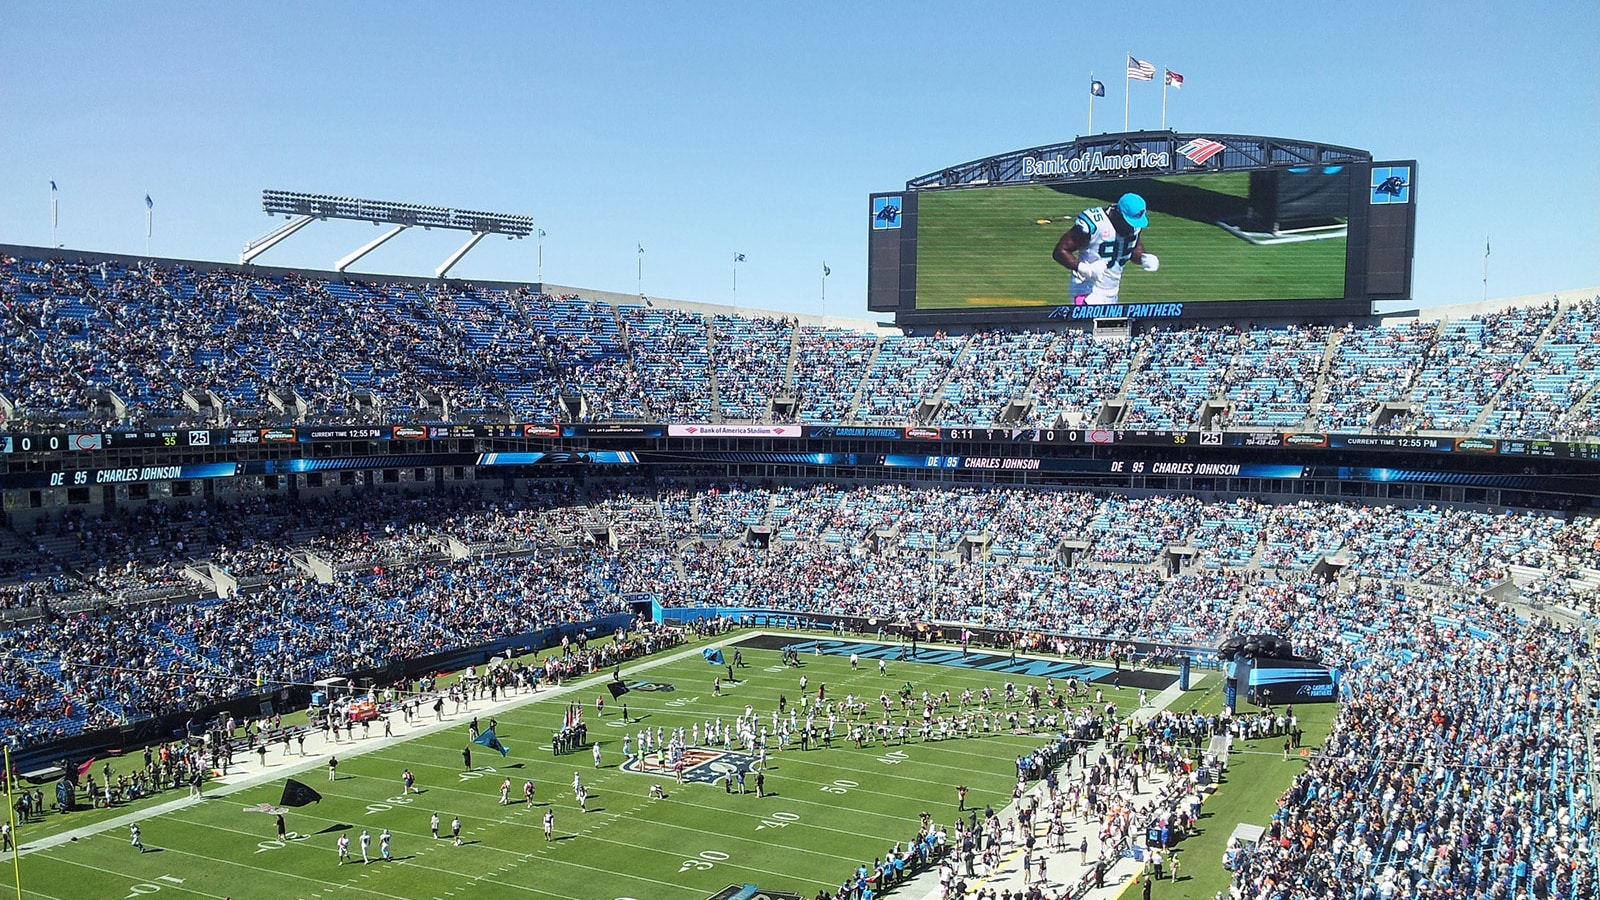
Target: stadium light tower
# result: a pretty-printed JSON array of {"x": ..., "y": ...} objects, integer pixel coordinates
[{"x": 302, "y": 209}]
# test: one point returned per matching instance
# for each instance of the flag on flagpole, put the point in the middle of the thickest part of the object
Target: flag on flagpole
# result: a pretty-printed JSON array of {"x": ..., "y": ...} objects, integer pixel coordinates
[
  {"x": 52, "y": 187},
  {"x": 1097, "y": 88},
  {"x": 738, "y": 257},
  {"x": 148, "y": 203},
  {"x": 486, "y": 738},
  {"x": 541, "y": 232},
  {"x": 826, "y": 271},
  {"x": 297, "y": 794},
  {"x": 1140, "y": 70},
  {"x": 1174, "y": 79}
]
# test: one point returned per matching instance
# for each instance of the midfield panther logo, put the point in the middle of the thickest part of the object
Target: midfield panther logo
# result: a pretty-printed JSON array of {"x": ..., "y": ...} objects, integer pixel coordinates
[{"x": 701, "y": 765}]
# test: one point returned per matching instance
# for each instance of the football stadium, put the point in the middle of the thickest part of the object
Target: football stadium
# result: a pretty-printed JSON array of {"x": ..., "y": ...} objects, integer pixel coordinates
[
  {"x": 768, "y": 607},
  {"x": 1139, "y": 540}
]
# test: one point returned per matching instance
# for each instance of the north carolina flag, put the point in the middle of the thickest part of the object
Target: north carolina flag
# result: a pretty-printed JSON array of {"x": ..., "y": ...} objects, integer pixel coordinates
[
  {"x": 1140, "y": 70},
  {"x": 1174, "y": 79}
]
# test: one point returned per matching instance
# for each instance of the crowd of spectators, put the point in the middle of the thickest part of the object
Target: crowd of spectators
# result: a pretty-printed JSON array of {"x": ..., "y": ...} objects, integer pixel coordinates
[
  {"x": 669, "y": 356},
  {"x": 1469, "y": 360},
  {"x": 1544, "y": 396},
  {"x": 908, "y": 369},
  {"x": 752, "y": 363},
  {"x": 164, "y": 338},
  {"x": 1370, "y": 367},
  {"x": 1272, "y": 378},
  {"x": 1458, "y": 765},
  {"x": 1079, "y": 373},
  {"x": 828, "y": 366},
  {"x": 996, "y": 368},
  {"x": 1176, "y": 371}
]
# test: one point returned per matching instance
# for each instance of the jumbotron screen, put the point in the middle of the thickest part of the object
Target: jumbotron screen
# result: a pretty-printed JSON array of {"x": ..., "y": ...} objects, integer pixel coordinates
[
  {"x": 1214, "y": 236},
  {"x": 1285, "y": 240}
]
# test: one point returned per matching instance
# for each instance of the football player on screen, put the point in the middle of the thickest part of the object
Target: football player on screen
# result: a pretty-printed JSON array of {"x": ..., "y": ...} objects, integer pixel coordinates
[{"x": 1103, "y": 239}]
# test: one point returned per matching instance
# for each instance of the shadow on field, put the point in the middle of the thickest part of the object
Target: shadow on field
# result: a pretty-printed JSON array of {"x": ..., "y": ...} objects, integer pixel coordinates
[{"x": 338, "y": 826}]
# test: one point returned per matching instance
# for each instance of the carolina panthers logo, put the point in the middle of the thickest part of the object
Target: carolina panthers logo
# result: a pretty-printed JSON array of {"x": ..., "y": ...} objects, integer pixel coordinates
[
  {"x": 701, "y": 765},
  {"x": 1393, "y": 186},
  {"x": 885, "y": 213},
  {"x": 662, "y": 686}
]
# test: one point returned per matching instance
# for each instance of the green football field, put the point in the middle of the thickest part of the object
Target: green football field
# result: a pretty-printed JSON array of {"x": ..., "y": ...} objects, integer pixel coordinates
[
  {"x": 992, "y": 247},
  {"x": 827, "y": 809}
]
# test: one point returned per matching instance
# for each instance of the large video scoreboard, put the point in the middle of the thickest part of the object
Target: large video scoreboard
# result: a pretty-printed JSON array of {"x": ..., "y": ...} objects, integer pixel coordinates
[{"x": 1240, "y": 226}]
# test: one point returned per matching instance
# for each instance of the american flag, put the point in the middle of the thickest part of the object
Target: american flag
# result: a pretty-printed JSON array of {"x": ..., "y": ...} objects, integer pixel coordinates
[
  {"x": 1139, "y": 70},
  {"x": 1174, "y": 79}
]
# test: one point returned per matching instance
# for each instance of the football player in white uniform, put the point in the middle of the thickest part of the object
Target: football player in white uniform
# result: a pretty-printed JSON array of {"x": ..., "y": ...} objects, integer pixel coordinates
[{"x": 1103, "y": 240}]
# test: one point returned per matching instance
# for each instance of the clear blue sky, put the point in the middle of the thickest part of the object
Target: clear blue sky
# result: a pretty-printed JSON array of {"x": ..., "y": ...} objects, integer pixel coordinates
[{"x": 702, "y": 130}]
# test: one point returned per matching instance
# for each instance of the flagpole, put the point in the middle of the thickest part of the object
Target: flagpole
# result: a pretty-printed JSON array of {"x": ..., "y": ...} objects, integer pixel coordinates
[
  {"x": 16, "y": 839},
  {"x": 1127, "y": 82},
  {"x": 824, "y": 290},
  {"x": 149, "y": 222},
  {"x": 1164, "y": 80},
  {"x": 736, "y": 281},
  {"x": 539, "y": 270},
  {"x": 1486, "y": 268},
  {"x": 1091, "y": 103},
  {"x": 55, "y": 220},
  {"x": 641, "y": 270}
]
